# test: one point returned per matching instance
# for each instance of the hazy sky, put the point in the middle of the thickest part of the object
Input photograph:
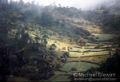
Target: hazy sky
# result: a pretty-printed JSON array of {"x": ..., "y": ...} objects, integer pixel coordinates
[{"x": 84, "y": 4}]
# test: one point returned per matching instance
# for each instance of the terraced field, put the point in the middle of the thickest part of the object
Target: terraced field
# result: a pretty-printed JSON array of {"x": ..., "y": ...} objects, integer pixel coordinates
[
  {"x": 103, "y": 37},
  {"x": 80, "y": 54},
  {"x": 93, "y": 55},
  {"x": 82, "y": 58}
]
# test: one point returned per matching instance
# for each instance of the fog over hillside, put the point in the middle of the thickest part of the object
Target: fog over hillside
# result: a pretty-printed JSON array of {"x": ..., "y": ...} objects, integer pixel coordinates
[{"x": 83, "y": 4}]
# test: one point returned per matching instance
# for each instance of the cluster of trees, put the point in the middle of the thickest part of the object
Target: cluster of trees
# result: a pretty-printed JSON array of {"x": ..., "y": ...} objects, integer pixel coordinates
[
  {"x": 23, "y": 45},
  {"x": 112, "y": 65}
]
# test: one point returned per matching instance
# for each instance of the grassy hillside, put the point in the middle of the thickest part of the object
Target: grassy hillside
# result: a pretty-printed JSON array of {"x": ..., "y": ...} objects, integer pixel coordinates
[{"x": 39, "y": 43}]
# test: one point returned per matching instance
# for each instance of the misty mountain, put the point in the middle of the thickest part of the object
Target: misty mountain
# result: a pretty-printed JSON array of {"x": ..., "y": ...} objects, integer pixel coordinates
[{"x": 27, "y": 29}]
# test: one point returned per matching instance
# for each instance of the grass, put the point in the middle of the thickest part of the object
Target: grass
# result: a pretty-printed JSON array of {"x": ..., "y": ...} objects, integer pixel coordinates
[
  {"x": 79, "y": 66},
  {"x": 88, "y": 49},
  {"x": 103, "y": 37},
  {"x": 95, "y": 59},
  {"x": 66, "y": 70},
  {"x": 80, "y": 54}
]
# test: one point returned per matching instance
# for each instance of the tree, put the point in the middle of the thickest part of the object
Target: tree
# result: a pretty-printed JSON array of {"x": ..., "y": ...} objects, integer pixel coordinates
[
  {"x": 81, "y": 42},
  {"x": 53, "y": 47},
  {"x": 46, "y": 19}
]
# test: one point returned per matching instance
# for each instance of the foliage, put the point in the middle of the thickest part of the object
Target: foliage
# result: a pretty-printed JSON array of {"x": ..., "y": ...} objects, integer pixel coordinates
[
  {"x": 111, "y": 65},
  {"x": 23, "y": 50}
]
